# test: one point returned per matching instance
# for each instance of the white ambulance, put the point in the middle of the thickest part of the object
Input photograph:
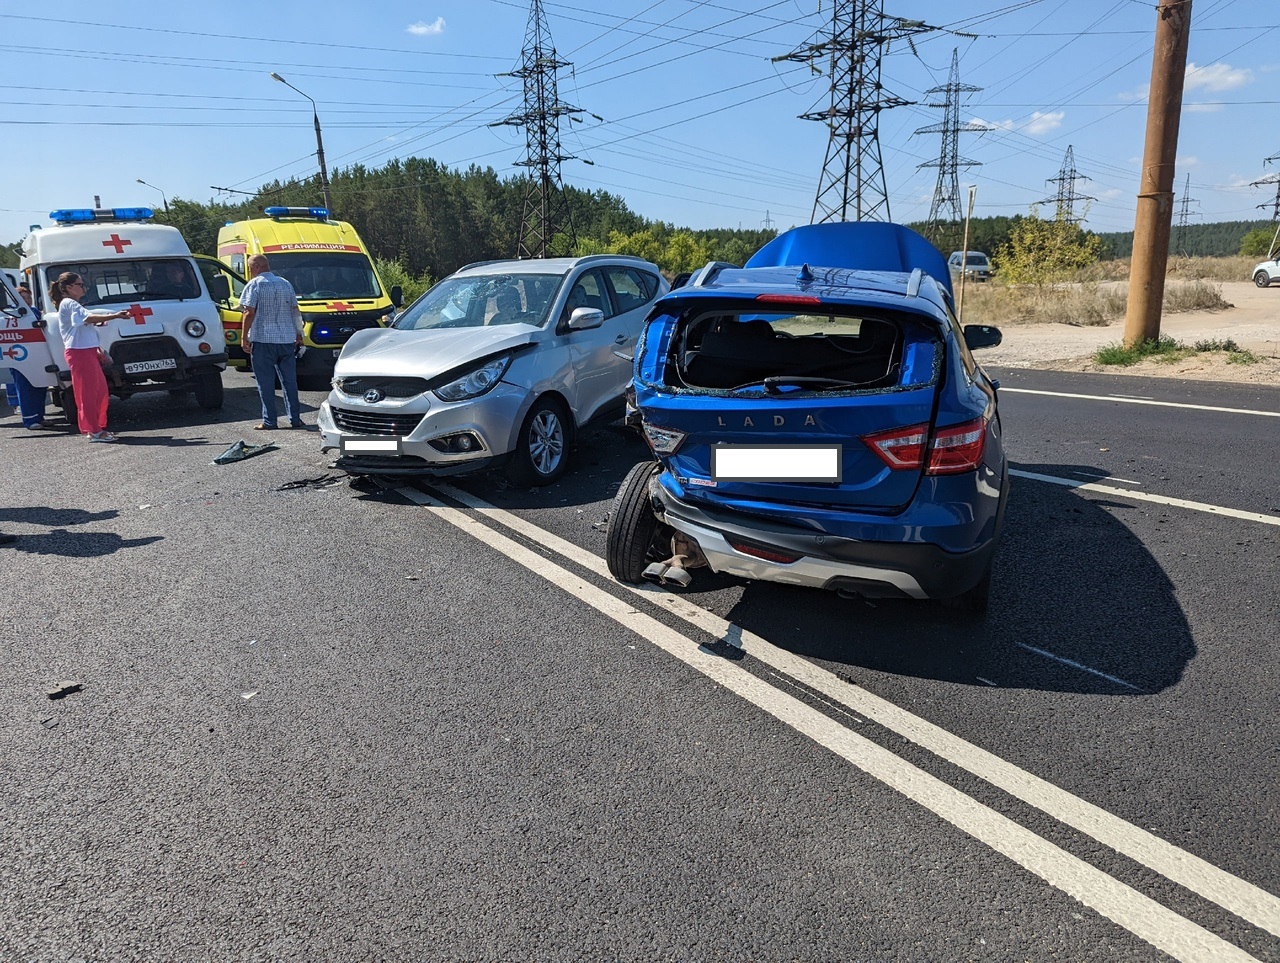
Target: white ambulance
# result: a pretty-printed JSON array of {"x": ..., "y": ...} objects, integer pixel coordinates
[{"x": 171, "y": 341}]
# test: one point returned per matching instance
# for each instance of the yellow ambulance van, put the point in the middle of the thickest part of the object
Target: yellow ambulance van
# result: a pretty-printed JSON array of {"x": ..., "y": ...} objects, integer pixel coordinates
[{"x": 329, "y": 267}]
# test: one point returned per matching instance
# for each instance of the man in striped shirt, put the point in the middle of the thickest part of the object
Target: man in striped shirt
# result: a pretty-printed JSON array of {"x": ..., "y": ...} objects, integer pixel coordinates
[{"x": 271, "y": 336}]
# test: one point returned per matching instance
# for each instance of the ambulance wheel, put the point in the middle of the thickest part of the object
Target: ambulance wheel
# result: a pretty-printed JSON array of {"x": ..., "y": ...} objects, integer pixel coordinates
[
  {"x": 632, "y": 525},
  {"x": 68, "y": 402},
  {"x": 208, "y": 388}
]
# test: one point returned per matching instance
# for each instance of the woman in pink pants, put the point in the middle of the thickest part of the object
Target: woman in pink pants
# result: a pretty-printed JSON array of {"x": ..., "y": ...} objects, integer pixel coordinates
[{"x": 80, "y": 341}]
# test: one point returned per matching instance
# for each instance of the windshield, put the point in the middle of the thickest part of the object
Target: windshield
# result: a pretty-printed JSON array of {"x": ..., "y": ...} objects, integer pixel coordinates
[
  {"x": 481, "y": 300},
  {"x": 325, "y": 275},
  {"x": 977, "y": 259},
  {"x": 115, "y": 282}
]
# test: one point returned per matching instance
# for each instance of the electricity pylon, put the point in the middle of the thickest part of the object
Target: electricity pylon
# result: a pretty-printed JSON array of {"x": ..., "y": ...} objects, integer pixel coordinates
[
  {"x": 1066, "y": 199},
  {"x": 1184, "y": 214},
  {"x": 946, "y": 195},
  {"x": 547, "y": 215},
  {"x": 852, "y": 185}
]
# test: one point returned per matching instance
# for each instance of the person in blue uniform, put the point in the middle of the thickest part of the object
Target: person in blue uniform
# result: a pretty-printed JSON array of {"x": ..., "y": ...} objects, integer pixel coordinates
[{"x": 31, "y": 400}]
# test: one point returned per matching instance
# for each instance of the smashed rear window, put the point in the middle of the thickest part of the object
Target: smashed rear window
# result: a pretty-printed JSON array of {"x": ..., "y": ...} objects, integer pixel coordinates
[{"x": 820, "y": 350}]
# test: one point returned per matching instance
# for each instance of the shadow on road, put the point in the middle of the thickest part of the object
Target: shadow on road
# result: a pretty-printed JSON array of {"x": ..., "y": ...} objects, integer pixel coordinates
[
  {"x": 77, "y": 544},
  {"x": 1072, "y": 585},
  {"x": 55, "y": 516}
]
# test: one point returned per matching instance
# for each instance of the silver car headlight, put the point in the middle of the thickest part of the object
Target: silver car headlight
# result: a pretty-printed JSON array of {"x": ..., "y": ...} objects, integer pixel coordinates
[
  {"x": 194, "y": 328},
  {"x": 475, "y": 383}
]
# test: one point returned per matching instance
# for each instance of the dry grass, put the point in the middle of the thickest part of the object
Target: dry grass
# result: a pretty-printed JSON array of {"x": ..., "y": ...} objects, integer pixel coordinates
[{"x": 1080, "y": 303}]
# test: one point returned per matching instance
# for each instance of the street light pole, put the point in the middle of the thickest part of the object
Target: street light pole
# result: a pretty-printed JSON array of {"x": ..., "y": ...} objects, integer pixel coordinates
[
  {"x": 154, "y": 188},
  {"x": 324, "y": 174}
]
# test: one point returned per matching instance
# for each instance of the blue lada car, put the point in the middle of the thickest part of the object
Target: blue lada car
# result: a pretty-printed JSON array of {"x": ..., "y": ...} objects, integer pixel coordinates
[{"x": 817, "y": 419}]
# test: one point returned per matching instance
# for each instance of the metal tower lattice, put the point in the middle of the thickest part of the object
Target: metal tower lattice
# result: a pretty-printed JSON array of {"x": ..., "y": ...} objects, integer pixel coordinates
[
  {"x": 1184, "y": 215},
  {"x": 852, "y": 185},
  {"x": 547, "y": 219},
  {"x": 1066, "y": 199},
  {"x": 1272, "y": 179},
  {"x": 946, "y": 195}
]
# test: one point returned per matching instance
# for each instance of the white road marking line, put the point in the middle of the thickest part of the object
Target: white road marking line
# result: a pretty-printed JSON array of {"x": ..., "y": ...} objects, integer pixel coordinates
[
  {"x": 1079, "y": 665},
  {"x": 1136, "y": 397},
  {"x": 1096, "y": 477},
  {"x": 1136, "y": 912},
  {"x": 1238, "y": 896},
  {"x": 1148, "y": 497},
  {"x": 1139, "y": 401}
]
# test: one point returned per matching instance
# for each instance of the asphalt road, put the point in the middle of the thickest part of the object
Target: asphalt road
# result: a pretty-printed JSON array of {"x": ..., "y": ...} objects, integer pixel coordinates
[{"x": 333, "y": 723}]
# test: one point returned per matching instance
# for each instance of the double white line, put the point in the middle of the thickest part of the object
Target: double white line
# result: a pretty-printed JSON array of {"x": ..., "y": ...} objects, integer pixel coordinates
[{"x": 1170, "y": 932}]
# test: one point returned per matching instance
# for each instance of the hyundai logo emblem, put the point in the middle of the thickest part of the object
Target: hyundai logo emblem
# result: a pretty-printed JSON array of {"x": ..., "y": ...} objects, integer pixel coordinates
[
  {"x": 374, "y": 395},
  {"x": 346, "y": 330}
]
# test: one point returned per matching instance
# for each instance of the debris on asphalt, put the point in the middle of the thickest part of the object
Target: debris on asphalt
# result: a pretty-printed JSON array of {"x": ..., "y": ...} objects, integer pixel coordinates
[
  {"x": 324, "y": 481},
  {"x": 411, "y": 578},
  {"x": 48, "y": 723},
  {"x": 248, "y": 695},
  {"x": 64, "y": 689},
  {"x": 144, "y": 506},
  {"x": 240, "y": 451}
]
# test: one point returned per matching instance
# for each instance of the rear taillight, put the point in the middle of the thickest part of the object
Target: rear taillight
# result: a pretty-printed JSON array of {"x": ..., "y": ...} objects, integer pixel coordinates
[
  {"x": 955, "y": 449},
  {"x": 900, "y": 448},
  {"x": 768, "y": 554}
]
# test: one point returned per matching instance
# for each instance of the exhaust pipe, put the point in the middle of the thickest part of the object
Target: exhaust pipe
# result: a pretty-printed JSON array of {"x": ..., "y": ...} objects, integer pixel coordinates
[{"x": 661, "y": 573}]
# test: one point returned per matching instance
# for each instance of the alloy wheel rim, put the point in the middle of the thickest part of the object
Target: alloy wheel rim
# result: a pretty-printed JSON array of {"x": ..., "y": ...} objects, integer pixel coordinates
[{"x": 546, "y": 442}]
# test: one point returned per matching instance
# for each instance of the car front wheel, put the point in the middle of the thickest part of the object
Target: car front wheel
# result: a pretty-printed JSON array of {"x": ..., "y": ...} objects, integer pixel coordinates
[
  {"x": 1262, "y": 279},
  {"x": 632, "y": 525},
  {"x": 542, "y": 448}
]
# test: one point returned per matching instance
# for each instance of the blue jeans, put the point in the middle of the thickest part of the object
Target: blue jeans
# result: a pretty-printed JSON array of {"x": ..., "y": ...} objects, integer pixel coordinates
[{"x": 268, "y": 361}]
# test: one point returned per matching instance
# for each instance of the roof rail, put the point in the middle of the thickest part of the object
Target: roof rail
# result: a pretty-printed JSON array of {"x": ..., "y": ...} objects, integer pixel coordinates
[
  {"x": 708, "y": 273},
  {"x": 627, "y": 257},
  {"x": 913, "y": 283}
]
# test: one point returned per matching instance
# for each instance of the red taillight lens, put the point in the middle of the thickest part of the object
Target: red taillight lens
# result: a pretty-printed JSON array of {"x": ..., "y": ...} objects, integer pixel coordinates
[
  {"x": 900, "y": 448},
  {"x": 958, "y": 449},
  {"x": 954, "y": 450},
  {"x": 768, "y": 554}
]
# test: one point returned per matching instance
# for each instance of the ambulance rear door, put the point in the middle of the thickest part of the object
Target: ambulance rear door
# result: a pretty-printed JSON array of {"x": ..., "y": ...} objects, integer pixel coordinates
[{"x": 22, "y": 342}]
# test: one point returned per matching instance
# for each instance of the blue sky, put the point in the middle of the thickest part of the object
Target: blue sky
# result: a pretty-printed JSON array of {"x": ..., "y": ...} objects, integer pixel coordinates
[{"x": 697, "y": 125}]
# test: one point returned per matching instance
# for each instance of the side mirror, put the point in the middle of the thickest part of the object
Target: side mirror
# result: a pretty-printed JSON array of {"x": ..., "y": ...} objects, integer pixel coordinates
[
  {"x": 397, "y": 295},
  {"x": 220, "y": 288},
  {"x": 584, "y": 319},
  {"x": 680, "y": 280},
  {"x": 981, "y": 336}
]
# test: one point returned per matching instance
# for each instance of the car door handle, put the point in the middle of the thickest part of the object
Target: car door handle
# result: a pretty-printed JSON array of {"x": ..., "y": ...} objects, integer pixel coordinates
[{"x": 622, "y": 339}]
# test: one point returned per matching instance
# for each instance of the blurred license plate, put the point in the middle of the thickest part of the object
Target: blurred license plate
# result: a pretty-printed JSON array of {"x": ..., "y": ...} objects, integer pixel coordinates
[
  {"x": 371, "y": 445},
  {"x": 141, "y": 367},
  {"x": 776, "y": 463}
]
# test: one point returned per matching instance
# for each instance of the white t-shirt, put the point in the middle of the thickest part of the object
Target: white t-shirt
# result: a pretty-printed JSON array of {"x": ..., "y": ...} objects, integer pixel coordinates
[{"x": 73, "y": 325}]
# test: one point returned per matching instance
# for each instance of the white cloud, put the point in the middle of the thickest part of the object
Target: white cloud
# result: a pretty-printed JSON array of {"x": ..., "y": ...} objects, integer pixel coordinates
[
  {"x": 1037, "y": 125},
  {"x": 1189, "y": 161},
  {"x": 1111, "y": 194},
  {"x": 1202, "y": 108},
  {"x": 424, "y": 29},
  {"x": 1043, "y": 123},
  {"x": 1217, "y": 77}
]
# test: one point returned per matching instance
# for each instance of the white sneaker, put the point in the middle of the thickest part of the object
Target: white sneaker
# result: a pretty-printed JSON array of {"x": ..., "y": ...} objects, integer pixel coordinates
[{"x": 103, "y": 436}]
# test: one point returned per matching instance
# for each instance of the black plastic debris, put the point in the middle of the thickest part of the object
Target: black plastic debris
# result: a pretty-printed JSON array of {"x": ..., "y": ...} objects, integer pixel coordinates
[
  {"x": 324, "y": 481},
  {"x": 49, "y": 723},
  {"x": 64, "y": 689},
  {"x": 240, "y": 451}
]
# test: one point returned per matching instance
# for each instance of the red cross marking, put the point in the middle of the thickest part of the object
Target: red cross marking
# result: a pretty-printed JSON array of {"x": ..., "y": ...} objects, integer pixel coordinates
[
  {"x": 15, "y": 351},
  {"x": 342, "y": 306},
  {"x": 116, "y": 242},
  {"x": 139, "y": 313}
]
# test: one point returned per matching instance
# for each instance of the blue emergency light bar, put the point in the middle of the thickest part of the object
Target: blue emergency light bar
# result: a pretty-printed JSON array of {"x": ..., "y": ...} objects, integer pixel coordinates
[
  {"x": 82, "y": 215},
  {"x": 321, "y": 213}
]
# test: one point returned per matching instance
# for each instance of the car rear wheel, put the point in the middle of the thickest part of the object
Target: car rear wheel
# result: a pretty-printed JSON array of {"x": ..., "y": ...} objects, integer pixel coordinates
[
  {"x": 542, "y": 448},
  {"x": 1262, "y": 279},
  {"x": 974, "y": 600},
  {"x": 632, "y": 525}
]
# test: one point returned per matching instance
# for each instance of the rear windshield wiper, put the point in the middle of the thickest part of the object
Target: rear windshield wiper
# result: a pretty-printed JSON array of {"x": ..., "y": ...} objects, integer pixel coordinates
[{"x": 775, "y": 384}]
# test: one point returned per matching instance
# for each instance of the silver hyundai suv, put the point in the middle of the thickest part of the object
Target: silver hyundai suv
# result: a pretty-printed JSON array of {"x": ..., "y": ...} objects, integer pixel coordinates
[{"x": 499, "y": 363}]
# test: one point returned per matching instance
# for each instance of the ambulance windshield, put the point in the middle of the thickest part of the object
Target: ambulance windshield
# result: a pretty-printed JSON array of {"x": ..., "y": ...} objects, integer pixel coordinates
[
  {"x": 326, "y": 275},
  {"x": 117, "y": 282}
]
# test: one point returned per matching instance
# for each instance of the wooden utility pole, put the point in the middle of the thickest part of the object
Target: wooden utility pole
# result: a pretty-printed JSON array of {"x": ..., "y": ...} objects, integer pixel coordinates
[{"x": 1154, "y": 219}]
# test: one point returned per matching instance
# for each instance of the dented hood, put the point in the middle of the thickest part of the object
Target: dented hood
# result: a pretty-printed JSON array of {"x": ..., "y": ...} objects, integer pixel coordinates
[{"x": 425, "y": 354}]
